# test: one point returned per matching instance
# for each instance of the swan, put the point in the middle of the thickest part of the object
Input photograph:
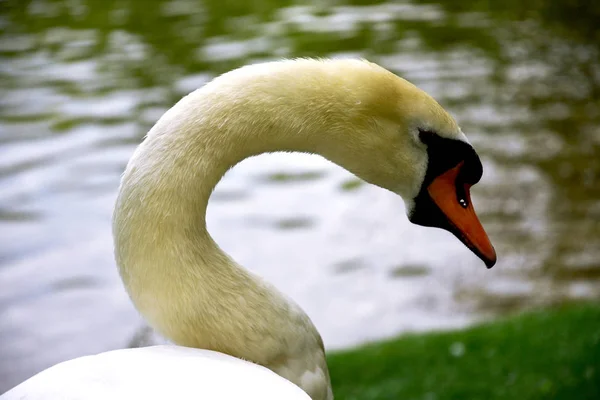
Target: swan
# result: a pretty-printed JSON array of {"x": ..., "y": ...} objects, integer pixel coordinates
[{"x": 235, "y": 335}]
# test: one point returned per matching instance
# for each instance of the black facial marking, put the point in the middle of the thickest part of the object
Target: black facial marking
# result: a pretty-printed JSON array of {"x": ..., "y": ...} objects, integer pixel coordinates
[{"x": 443, "y": 155}]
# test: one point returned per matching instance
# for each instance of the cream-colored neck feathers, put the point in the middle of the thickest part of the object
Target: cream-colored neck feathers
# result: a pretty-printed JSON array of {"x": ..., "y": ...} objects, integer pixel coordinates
[{"x": 351, "y": 112}]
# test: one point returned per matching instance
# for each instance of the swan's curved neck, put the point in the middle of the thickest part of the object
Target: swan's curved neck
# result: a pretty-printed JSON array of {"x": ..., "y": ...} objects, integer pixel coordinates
[{"x": 178, "y": 278}]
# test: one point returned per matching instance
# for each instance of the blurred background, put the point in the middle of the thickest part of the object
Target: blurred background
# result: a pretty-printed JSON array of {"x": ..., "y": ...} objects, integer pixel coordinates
[{"x": 82, "y": 81}]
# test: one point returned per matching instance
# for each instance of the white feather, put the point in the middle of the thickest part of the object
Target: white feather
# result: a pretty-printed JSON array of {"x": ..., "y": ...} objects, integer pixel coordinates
[{"x": 159, "y": 372}]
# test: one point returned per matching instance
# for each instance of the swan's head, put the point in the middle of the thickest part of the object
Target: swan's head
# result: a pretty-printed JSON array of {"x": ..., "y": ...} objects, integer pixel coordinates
[{"x": 398, "y": 137}]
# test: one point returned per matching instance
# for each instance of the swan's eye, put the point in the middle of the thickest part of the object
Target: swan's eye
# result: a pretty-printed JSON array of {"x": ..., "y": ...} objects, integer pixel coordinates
[{"x": 463, "y": 203}]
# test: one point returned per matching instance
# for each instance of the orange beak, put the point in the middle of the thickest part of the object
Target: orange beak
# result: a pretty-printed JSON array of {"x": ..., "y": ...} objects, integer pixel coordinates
[{"x": 456, "y": 205}]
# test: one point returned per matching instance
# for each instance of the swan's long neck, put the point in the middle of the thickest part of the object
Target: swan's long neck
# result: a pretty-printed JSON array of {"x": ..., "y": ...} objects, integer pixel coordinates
[{"x": 178, "y": 278}]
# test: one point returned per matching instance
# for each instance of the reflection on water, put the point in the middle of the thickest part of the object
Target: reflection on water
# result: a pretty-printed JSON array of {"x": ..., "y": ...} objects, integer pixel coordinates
[{"x": 82, "y": 81}]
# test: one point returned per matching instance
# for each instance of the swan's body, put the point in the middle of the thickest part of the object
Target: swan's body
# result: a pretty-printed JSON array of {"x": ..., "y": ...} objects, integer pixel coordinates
[
  {"x": 159, "y": 372},
  {"x": 354, "y": 113}
]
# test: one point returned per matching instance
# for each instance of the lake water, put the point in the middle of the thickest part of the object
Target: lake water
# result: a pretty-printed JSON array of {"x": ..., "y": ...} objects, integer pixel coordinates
[{"x": 82, "y": 81}]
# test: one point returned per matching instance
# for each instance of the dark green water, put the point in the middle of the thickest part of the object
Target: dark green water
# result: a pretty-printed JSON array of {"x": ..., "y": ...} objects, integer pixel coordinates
[{"x": 82, "y": 81}]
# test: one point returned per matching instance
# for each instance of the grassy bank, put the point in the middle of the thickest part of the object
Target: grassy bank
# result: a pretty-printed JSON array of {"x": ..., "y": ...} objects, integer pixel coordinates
[{"x": 543, "y": 355}]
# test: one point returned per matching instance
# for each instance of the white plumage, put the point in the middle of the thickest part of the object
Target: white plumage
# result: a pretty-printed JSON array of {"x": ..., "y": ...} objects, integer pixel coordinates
[{"x": 158, "y": 372}]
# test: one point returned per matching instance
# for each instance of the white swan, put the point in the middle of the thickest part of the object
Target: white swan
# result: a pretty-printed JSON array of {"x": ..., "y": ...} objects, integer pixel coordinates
[{"x": 354, "y": 113}]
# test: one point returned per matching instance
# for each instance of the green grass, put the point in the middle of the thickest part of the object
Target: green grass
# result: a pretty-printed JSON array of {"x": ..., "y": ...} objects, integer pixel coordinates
[{"x": 551, "y": 354}]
